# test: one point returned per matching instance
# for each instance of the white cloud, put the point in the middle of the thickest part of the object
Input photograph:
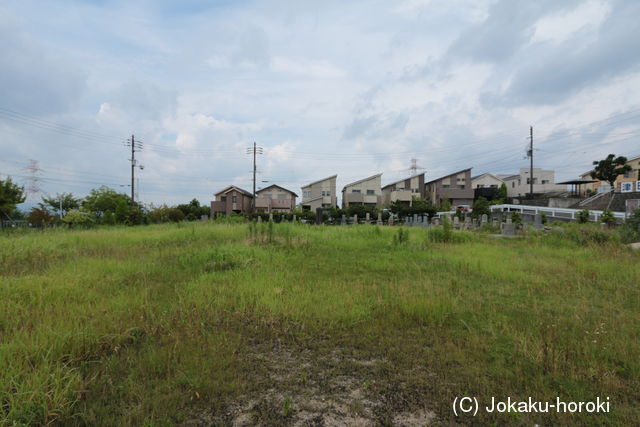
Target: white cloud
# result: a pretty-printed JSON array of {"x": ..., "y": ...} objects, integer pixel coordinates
[
  {"x": 319, "y": 69},
  {"x": 562, "y": 25}
]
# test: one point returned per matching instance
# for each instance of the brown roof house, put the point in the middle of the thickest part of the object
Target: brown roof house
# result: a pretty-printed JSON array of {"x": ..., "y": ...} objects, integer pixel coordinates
[
  {"x": 456, "y": 187},
  {"x": 275, "y": 199},
  {"x": 404, "y": 190},
  {"x": 230, "y": 200}
]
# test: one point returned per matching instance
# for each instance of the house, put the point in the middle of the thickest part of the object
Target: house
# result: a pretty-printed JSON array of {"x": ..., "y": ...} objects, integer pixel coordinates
[
  {"x": 456, "y": 187},
  {"x": 364, "y": 192},
  {"x": 486, "y": 180},
  {"x": 320, "y": 194},
  {"x": 626, "y": 183},
  {"x": 275, "y": 199},
  {"x": 230, "y": 200},
  {"x": 486, "y": 185},
  {"x": 518, "y": 185},
  {"x": 404, "y": 190}
]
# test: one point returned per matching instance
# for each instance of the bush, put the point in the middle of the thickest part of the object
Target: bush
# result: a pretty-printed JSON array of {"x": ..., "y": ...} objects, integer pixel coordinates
[
  {"x": 516, "y": 218},
  {"x": 481, "y": 207},
  {"x": 583, "y": 216},
  {"x": 608, "y": 218}
]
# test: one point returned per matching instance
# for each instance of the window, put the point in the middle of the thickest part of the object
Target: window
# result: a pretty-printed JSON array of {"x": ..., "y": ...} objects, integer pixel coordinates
[
  {"x": 545, "y": 181},
  {"x": 415, "y": 190},
  {"x": 460, "y": 179},
  {"x": 282, "y": 197},
  {"x": 462, "y": 187},
  {"x": 326, "y": 193},
  {"x": 513, "y": 185},
  {"x": 627, "y": 174},
  {"x": 445, "y": 185},
  {"x": 371, "y": 192},
  {"x": 637, "y": 185},
  {"x": 223, "y": 198},
  {"x": 534, "y": 180},
  {"x": 306, "y": 194},
  {"x": 626, "y": 187},
  {"x": 356, "y": 191},
  {"x": 234, "y": 199}
]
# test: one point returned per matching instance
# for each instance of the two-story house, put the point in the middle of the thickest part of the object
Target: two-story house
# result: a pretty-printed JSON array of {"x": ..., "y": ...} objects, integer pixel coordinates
[
  {"x": 320, "y": 194},
  {"x": 404, "y": 190},
  {"x": 230, "y": 200},
  {"x": 364, "y": 192},
  {"x": 275, "y": 199},
  {"x": 456, "y": 187},
  {"x": 518, "y": 185}
]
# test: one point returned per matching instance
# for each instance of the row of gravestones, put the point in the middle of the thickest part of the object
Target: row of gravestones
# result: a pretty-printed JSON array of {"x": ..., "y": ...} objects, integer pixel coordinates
[{"x": 508, "y": 228}]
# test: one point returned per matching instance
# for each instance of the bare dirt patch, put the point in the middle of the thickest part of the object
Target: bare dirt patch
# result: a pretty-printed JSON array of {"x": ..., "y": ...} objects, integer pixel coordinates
[{"x": 303, "y": 388}]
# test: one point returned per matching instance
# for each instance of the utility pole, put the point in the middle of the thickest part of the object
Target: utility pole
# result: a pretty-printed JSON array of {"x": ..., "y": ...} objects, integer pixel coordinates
[
  {"x": 134, "y": 144},
  {"x": 255, "y": 150},
  {"x": 531, "y": 162}
]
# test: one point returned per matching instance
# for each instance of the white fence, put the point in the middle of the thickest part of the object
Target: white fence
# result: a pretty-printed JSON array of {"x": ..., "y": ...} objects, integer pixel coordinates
[{"x": 563, "y": 213}]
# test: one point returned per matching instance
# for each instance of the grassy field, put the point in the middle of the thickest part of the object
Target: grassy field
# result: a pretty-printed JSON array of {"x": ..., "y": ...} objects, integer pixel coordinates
[{"x": 281, "y": 324}]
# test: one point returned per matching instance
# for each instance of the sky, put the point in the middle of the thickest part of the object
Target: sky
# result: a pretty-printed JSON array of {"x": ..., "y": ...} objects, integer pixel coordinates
[{"x": 349, "y": 88}]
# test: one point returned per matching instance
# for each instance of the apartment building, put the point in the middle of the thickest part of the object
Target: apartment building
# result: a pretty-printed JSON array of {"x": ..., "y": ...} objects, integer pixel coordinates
[
  {"x": 518, "y": 185},
  {"x": 404, "y": 190},
  {"x": 275, "y": 199},
  {"x": 230, "y": 200},
  {"x": 320, "y": 194},
  {"x": 456, "y": 187},
  {"x": 364, "y": 192}
]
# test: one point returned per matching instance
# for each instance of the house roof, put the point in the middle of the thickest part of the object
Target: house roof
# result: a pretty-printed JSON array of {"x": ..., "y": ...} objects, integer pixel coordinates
[
  {"x": 233, "y": 187},
  {"x": 362, "y": 180},
  {"x": 320, "y": 180},
  {"x": 402, "y": 180},
  {"x": 448, "y": 175},
  {"x": 473, "y": 178},
  {"x": 510, "y": 177},
  {"x": 276, "y": 186}
]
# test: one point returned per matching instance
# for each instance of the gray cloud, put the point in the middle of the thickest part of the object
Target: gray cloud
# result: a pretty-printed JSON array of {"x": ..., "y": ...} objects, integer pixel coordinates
[
  {"x": 376, "y": 126},
  {"x": 557, "y": 73},
  {"x": 34, "y": 79},
  {"x": 507, "y": 28}
]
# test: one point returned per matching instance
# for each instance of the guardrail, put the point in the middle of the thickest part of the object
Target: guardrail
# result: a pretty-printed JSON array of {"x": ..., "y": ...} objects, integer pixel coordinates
[{"x": 563, "y": 213}]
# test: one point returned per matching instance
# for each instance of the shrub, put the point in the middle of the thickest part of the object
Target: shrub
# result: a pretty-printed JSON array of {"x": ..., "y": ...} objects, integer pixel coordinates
[
  {"x": 608, "y": 218},
  {"x": 481, "y": 207},
  {"x": 583, "y": 216},
  {"x": 516, "y": 218}
]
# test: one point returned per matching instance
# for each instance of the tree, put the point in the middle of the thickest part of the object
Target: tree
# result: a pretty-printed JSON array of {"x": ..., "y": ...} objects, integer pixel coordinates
[
  {"x": 502, "y": 193},
  {"x": 64, "y": 200},
  {"x": 40, "y": 216},
  {"x": 193, "y": 210},
  {"x": 77, "y": 217},
  {"x": 445, "y": 206},
  {"x": 480, "y": 207},
  {"x": 105, "y": 200},
  {"x": 10, "y": 195},
  {"x": 608, "y": 169}
]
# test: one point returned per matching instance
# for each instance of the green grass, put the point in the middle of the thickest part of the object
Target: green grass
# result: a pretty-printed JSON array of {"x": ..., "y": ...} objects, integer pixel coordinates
[{"x": 154, "y": 325}]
